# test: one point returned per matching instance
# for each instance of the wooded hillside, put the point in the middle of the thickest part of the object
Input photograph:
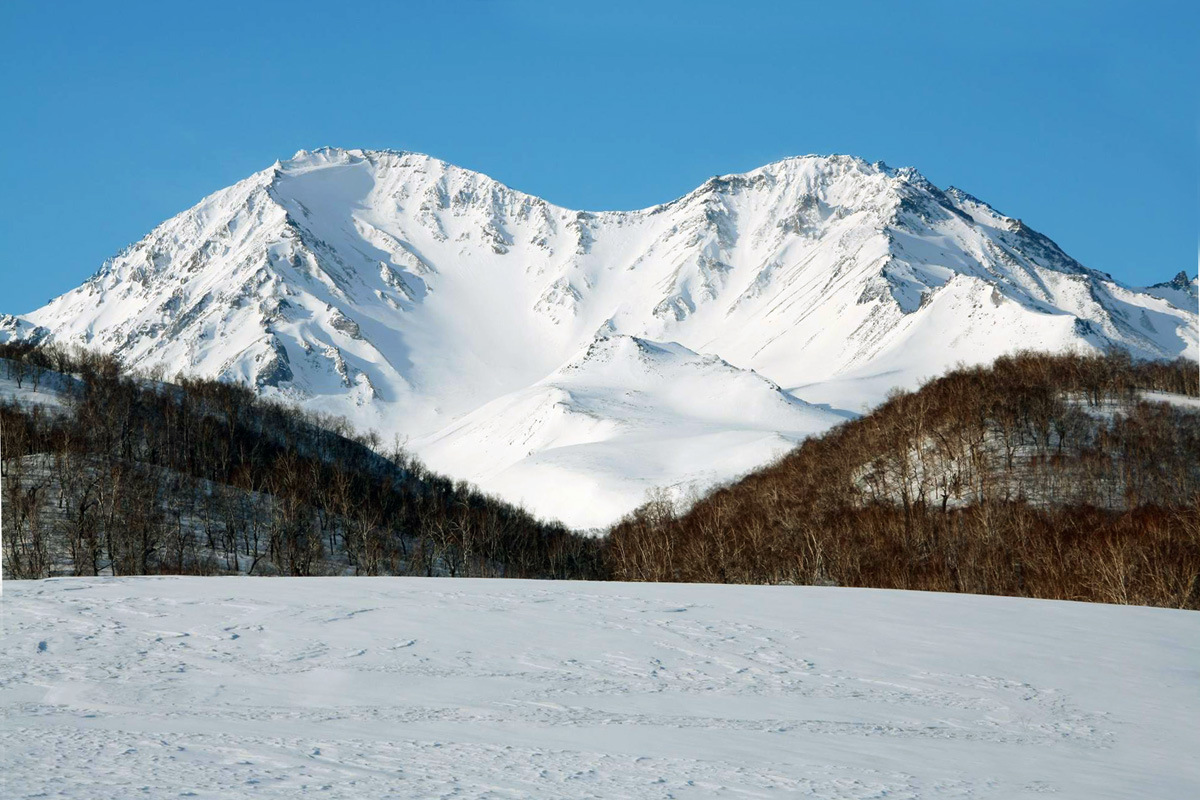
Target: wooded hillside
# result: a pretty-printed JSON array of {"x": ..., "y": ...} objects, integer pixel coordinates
[
  {"x": 1041, "y": 476},
  {"x": 130, "y": 476}
]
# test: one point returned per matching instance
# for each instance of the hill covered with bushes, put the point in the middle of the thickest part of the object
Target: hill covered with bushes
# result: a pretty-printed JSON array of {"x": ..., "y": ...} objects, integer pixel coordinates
[{"x": 1070, "y": 477}]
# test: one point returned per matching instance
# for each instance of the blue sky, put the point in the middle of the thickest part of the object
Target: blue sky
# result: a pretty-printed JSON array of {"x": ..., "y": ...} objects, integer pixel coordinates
[{"x": 1079, "y": 117}]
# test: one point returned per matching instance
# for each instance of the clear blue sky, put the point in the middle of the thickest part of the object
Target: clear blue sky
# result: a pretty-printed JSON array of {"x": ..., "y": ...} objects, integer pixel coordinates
[{"x": 1079, "y": 117}]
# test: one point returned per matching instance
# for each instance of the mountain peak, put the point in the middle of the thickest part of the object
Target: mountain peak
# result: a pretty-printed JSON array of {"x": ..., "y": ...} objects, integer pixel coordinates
[
  {"x": 814, "y": 165},
  {"x": 338, "y": 156},
  {"x": 410, "y": 294},
  {"x": 1180, "y": 281}
]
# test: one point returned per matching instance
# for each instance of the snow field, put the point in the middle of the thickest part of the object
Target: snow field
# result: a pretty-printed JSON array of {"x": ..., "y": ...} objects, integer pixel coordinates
[{"x": 364, "y": 688}]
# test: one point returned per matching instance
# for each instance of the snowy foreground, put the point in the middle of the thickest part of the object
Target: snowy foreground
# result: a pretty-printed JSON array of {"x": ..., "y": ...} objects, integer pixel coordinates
[{"x": 363, "y": 688}]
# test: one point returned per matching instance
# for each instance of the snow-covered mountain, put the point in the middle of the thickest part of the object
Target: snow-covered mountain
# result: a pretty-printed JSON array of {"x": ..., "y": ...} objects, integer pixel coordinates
[{"x": 572, "y": 359}]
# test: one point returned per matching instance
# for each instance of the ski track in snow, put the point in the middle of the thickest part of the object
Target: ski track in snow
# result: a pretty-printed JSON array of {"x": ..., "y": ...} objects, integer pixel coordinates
[{"x": 362, "y": 688}]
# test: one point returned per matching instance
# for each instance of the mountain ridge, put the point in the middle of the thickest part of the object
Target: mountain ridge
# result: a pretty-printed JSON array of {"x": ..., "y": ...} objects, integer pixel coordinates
[{"x": 407, "y": 293}]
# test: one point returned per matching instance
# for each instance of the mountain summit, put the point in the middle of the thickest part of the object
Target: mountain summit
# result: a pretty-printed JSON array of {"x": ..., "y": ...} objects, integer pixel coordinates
[{"x": 571, "y": 359}]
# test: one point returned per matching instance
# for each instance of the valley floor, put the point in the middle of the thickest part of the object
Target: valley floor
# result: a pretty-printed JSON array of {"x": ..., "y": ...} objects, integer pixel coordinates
[{"x": 402, "y": 687}]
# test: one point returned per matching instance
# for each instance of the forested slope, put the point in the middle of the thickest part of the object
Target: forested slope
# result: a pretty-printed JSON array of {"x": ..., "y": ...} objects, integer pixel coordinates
[
  {"x": 126, "y": 476},
  {"x": 1066, "y": 477}
]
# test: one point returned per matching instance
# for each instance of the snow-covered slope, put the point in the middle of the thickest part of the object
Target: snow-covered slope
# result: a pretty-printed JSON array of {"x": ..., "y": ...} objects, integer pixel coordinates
[
  {"x": 639, "y": 413},
  {"x": 372, "y": 688},
  {"x": 1178, "y": 291},
  {"x": 407, "y": 294}
]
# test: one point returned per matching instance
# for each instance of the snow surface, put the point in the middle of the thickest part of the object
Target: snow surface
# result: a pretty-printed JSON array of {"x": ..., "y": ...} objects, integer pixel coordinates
[
  {"x": 629, "y": 409},
  {"x": 1172, "y": 399},
  {"x": 51, "y": 392},
  {"x": 365, "y": 688},
  {"x": 1179, "y": 291},
  {"x": 434, "y": 303}
]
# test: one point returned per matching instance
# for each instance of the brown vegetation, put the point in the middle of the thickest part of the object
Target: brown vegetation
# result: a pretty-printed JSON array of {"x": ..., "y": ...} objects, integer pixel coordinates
[{"x": 1041, "y": 476}]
